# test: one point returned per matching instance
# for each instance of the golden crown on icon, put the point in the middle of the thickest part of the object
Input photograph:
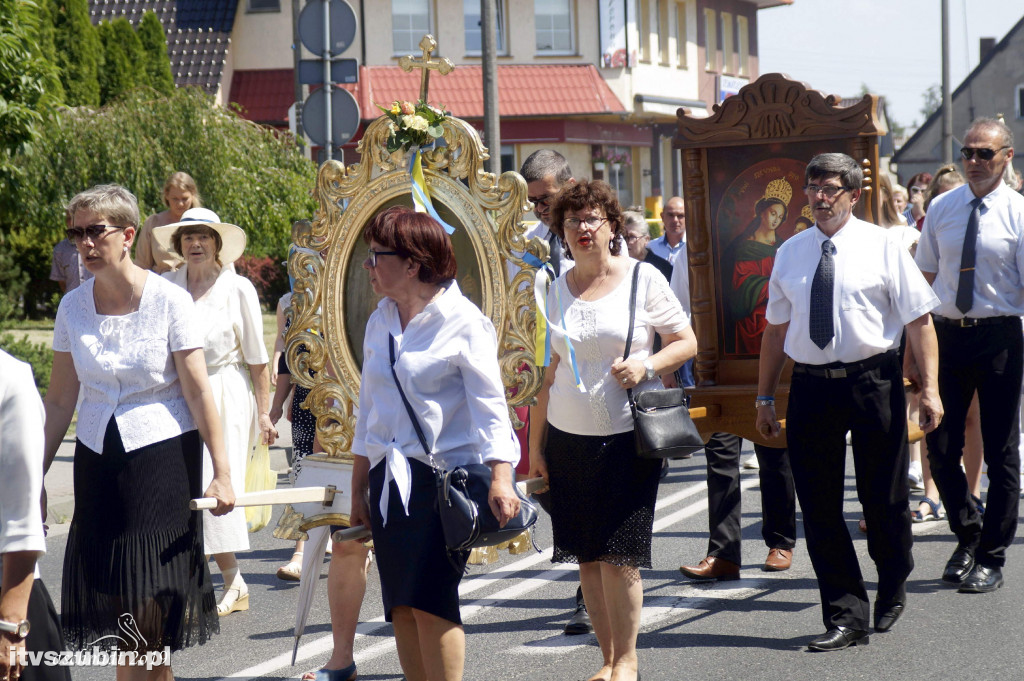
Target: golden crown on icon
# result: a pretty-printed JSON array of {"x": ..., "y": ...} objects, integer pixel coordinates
[
  {"x": 779, "y": 189},
  {"x": 806, "y": 212}
]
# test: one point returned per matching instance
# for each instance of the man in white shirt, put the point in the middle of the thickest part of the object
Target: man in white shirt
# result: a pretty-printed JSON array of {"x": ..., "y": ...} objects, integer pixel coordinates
[
  {"x": 972, "y": 252},
  {"x": 839, "y": 297},
  {"x": 24, "y": 601},
  {"x": 672, "y": 242}
]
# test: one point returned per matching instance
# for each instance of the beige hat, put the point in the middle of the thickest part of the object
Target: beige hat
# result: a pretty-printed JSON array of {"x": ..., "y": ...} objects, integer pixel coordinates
[{"x": 232, "y": 236}]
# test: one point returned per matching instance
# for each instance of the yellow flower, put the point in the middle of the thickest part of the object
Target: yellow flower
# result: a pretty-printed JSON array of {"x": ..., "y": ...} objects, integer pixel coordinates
[
  {"x": 415, "y": 122},
  {"x": 395, "y": 109}
]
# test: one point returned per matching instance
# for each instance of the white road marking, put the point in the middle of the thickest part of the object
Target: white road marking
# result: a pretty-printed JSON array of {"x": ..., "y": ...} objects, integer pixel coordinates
[{"x": 280, "y": 665}]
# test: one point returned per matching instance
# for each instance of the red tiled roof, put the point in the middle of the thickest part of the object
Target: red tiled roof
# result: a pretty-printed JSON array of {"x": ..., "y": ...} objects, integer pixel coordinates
[
  {"x": 264, "y": 95},
  {"x": 524, "y": 90}
]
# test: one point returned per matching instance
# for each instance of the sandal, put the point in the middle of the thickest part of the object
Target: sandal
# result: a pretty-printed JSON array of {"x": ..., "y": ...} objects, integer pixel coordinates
[
  {"x": 290, "y": 571},
  {"x": 980, "y": 507},
  {"x": 234, "y": 601},
  {"x": 345, "y": 674},
  {"x": 934, "y": 513}
]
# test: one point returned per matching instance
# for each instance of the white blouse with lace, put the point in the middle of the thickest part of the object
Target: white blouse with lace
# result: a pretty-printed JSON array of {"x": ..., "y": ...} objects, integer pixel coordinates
[
  {"x": 124, "y": 363},
  {"x": 598, "y": 329}
]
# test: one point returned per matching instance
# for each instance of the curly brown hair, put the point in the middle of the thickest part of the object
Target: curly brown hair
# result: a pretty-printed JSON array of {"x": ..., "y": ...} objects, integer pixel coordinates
[
  {"x": 416, "y": 236},
  {"x": 589, "y": 194}
]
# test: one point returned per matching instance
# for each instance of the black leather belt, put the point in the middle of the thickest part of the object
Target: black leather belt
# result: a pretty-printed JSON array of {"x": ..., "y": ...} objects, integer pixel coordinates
[
  {"x": 966, "y": 322},
  {"x": 844, "y": 370}
]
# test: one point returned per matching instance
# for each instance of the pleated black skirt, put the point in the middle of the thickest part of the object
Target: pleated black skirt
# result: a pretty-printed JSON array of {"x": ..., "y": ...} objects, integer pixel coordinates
[
  {"x": 134, "y": 566},
  {"x": 602, "y": 498},
  {"x": 412, "y": 558}
]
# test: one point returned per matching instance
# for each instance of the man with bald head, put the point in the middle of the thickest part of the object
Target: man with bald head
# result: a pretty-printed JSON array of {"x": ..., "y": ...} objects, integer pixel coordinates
[
  {"x": 972, "y": 252},
  {"x": 673, "y": 240}
]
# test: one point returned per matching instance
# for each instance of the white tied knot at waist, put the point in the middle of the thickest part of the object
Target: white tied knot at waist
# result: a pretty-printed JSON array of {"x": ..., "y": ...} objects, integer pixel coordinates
[
  {"x": 397, "y": 468},
  {"x": 237, "y": 366}
]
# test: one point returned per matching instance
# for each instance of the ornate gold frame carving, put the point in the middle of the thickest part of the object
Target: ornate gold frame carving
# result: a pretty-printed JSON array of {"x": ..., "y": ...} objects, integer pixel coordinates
[{"x": 488, "y": 208}]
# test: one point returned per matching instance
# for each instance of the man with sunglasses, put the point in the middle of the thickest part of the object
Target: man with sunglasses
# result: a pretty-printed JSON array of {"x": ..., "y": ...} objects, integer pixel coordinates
[
  {"x": 840, "y": 296},
  {"x": 972, "y": 252}
]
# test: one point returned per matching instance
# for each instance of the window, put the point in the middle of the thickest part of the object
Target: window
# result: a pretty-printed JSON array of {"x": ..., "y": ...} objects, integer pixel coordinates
[
  {"x": 727, "y": 43},
  {"x": 681, "y": 34},
  {"x": 710, "y": 41},
  {"x": 619, "y": 172},
  {"x": 744, "y": 45},
  {"x": 474, "y": 37},
  {"x": 1020, "y": 101},
  {"x": 664, "y": 28},
  {"x": 410, "y": 21},
  {"x": 553, "y": 19},
  {"x": 264, "y": 6},
  {"x": 644, "y": 28},
  {"x": 508, "y": 158}
]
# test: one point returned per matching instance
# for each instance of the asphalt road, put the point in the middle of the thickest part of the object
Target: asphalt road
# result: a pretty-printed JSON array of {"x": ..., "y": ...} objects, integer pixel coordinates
[{"x": 752, "y": 629}]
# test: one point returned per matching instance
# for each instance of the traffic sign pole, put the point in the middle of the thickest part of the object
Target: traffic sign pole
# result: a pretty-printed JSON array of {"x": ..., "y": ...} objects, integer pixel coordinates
[{"x": 327, "y": 77}]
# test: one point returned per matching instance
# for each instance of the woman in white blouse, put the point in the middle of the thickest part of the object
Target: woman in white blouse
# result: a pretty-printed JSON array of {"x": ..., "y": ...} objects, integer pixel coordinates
[
  {"x": 581, "y": 435},
  {"x": 446, "y": 358},
  {"x": 230, "y": 322},
  {"x": 134, "y": 565}
]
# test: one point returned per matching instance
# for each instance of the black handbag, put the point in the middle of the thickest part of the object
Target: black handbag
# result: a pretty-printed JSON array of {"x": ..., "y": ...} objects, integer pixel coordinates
[
  {"x": 462, "y": 496},
  {"x": 662, "y": 426}
]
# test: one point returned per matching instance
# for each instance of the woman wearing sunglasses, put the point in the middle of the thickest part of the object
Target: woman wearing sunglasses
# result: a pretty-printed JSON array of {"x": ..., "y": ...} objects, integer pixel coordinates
[{"x": 134, "y": 566}]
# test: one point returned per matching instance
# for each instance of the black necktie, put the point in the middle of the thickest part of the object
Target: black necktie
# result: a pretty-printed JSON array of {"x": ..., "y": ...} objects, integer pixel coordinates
[
  {"x": 822, "y": 329},
  {"x": 965, "y": 289},
  {"x": 555, "y": 252}
]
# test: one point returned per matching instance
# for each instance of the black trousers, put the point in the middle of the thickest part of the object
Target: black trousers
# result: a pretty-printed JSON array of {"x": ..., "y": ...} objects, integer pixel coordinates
[
  {"x": 986, "y": 359},
  {"x": 872, "y": 407},
  {"x": 778, "y": 499},
  {"x": 44, "y": 635}
]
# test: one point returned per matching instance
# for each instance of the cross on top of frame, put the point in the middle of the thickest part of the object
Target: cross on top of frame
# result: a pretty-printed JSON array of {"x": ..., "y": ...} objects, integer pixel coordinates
[{"x": 444, "y": 65}]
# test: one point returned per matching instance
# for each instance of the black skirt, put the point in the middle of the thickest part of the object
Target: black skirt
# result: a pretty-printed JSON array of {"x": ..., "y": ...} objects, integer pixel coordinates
[
  {"x": 134, "y": 566},
  {"x": 602, "y": 498},
  {"x": 412, "y": 558}
]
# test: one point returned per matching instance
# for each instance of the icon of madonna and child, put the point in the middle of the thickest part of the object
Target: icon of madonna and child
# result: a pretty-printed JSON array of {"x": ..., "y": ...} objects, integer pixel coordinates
[{"x": 759, "y": 210}]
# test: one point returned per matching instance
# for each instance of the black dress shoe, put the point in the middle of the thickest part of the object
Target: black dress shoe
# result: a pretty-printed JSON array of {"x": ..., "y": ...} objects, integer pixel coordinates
[
  {"x": 886, "y": 615},
  {"x": 958, "y": 565},
  {"x": 982, "y": 579},
  {"x": 838, "y": 638},
  {"x": 579, "y": 623}
]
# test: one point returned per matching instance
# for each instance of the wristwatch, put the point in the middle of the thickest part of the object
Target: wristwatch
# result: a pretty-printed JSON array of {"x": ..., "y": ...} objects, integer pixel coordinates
[
  {"x": 650, "y": 370},
  {"x": 19, "y": 629}
]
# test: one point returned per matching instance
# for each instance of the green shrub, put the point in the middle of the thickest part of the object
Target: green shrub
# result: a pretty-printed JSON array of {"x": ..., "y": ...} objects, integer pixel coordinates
[{"x": 37, "y": 354}]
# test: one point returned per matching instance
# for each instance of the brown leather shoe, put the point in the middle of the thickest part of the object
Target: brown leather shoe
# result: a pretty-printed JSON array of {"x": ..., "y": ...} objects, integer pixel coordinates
[
  {"x": 712, "y": 568},
  {"x": 778, "y": 560}
]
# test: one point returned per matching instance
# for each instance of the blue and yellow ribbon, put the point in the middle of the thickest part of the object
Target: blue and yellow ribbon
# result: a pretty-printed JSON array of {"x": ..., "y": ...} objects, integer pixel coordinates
[{"x": 421, "y": 199}]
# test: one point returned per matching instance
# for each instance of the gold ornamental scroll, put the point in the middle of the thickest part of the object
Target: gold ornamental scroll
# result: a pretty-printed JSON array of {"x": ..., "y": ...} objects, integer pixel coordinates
[{"x": 332, "y": 299}]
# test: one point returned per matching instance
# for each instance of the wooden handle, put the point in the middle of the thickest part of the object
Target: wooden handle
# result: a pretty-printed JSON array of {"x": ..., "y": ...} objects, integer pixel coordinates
[{"x": 291, "y": 495}]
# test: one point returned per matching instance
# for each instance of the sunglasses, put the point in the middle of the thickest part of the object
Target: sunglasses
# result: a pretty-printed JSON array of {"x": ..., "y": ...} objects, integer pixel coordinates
[
  {"x": 371, "y": 255},
  {"x": 94, "y": 232},
  {"x": 984, "y": 153}
]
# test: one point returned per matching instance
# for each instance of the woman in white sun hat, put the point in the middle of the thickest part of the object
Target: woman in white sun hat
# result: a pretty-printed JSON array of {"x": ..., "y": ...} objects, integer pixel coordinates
[{"x": 231, "y": 323}]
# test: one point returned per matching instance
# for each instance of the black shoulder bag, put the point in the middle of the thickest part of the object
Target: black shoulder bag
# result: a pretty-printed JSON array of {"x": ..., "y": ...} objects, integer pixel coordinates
[
  {"x": 661, "y": 418},
  {"x": 462, "y": 496}
]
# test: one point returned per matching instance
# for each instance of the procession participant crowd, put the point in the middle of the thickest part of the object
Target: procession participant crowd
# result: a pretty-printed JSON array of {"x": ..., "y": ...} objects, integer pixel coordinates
[{"x": 430, "y": 365}]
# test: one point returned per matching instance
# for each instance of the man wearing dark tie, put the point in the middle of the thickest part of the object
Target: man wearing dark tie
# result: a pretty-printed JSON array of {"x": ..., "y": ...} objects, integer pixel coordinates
[
  {"x": 839, "y": 298},
  {"x": 972, "y": 252}
]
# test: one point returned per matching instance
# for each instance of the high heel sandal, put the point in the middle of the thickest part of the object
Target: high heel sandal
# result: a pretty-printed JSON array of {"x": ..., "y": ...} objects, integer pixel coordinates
[
  {"x": 344, "y": 674},
  {"x": 234, "y": 601}
]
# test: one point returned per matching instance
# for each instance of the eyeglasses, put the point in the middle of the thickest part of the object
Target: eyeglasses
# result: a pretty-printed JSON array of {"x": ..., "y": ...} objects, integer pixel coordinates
[
  {"x": 371, "y": 255},
  {"x": 984, "y": 153},
  {"x": 633, "y": 238},
  {"x": 541, "y": 201},
  {"x": 94, "y": 232},
  {"x": 829, "y": 191},
  {"x": 592, "y": 221}
]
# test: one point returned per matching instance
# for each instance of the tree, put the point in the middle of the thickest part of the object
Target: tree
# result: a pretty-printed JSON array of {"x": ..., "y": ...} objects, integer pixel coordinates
[
  {"x": 932, "y": 100},
  {"x": 78, "y": 52},
  {"x": 250, "y": 175},
  {"x": 26, "y": 77},
  {"x": 124, "y": 64},
  {"x": 154, "y": 45}
]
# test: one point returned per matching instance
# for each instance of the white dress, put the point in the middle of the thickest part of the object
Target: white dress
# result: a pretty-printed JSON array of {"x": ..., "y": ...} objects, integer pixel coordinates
[{"x": 229, "y": 320}]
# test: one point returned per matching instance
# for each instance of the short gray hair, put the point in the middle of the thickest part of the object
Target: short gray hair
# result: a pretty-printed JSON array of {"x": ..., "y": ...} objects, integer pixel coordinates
[
  {"x": 112, "y": 201},
  {"x": 827, "y": 165},
  {"x": 999, "y": 126},
  {"x": 544, "y": 163},
  {"x": 634, "y": 218}
]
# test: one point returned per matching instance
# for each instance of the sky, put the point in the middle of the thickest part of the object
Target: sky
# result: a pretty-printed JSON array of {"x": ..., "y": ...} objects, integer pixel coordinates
[{"x": 892, "y": 46}]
